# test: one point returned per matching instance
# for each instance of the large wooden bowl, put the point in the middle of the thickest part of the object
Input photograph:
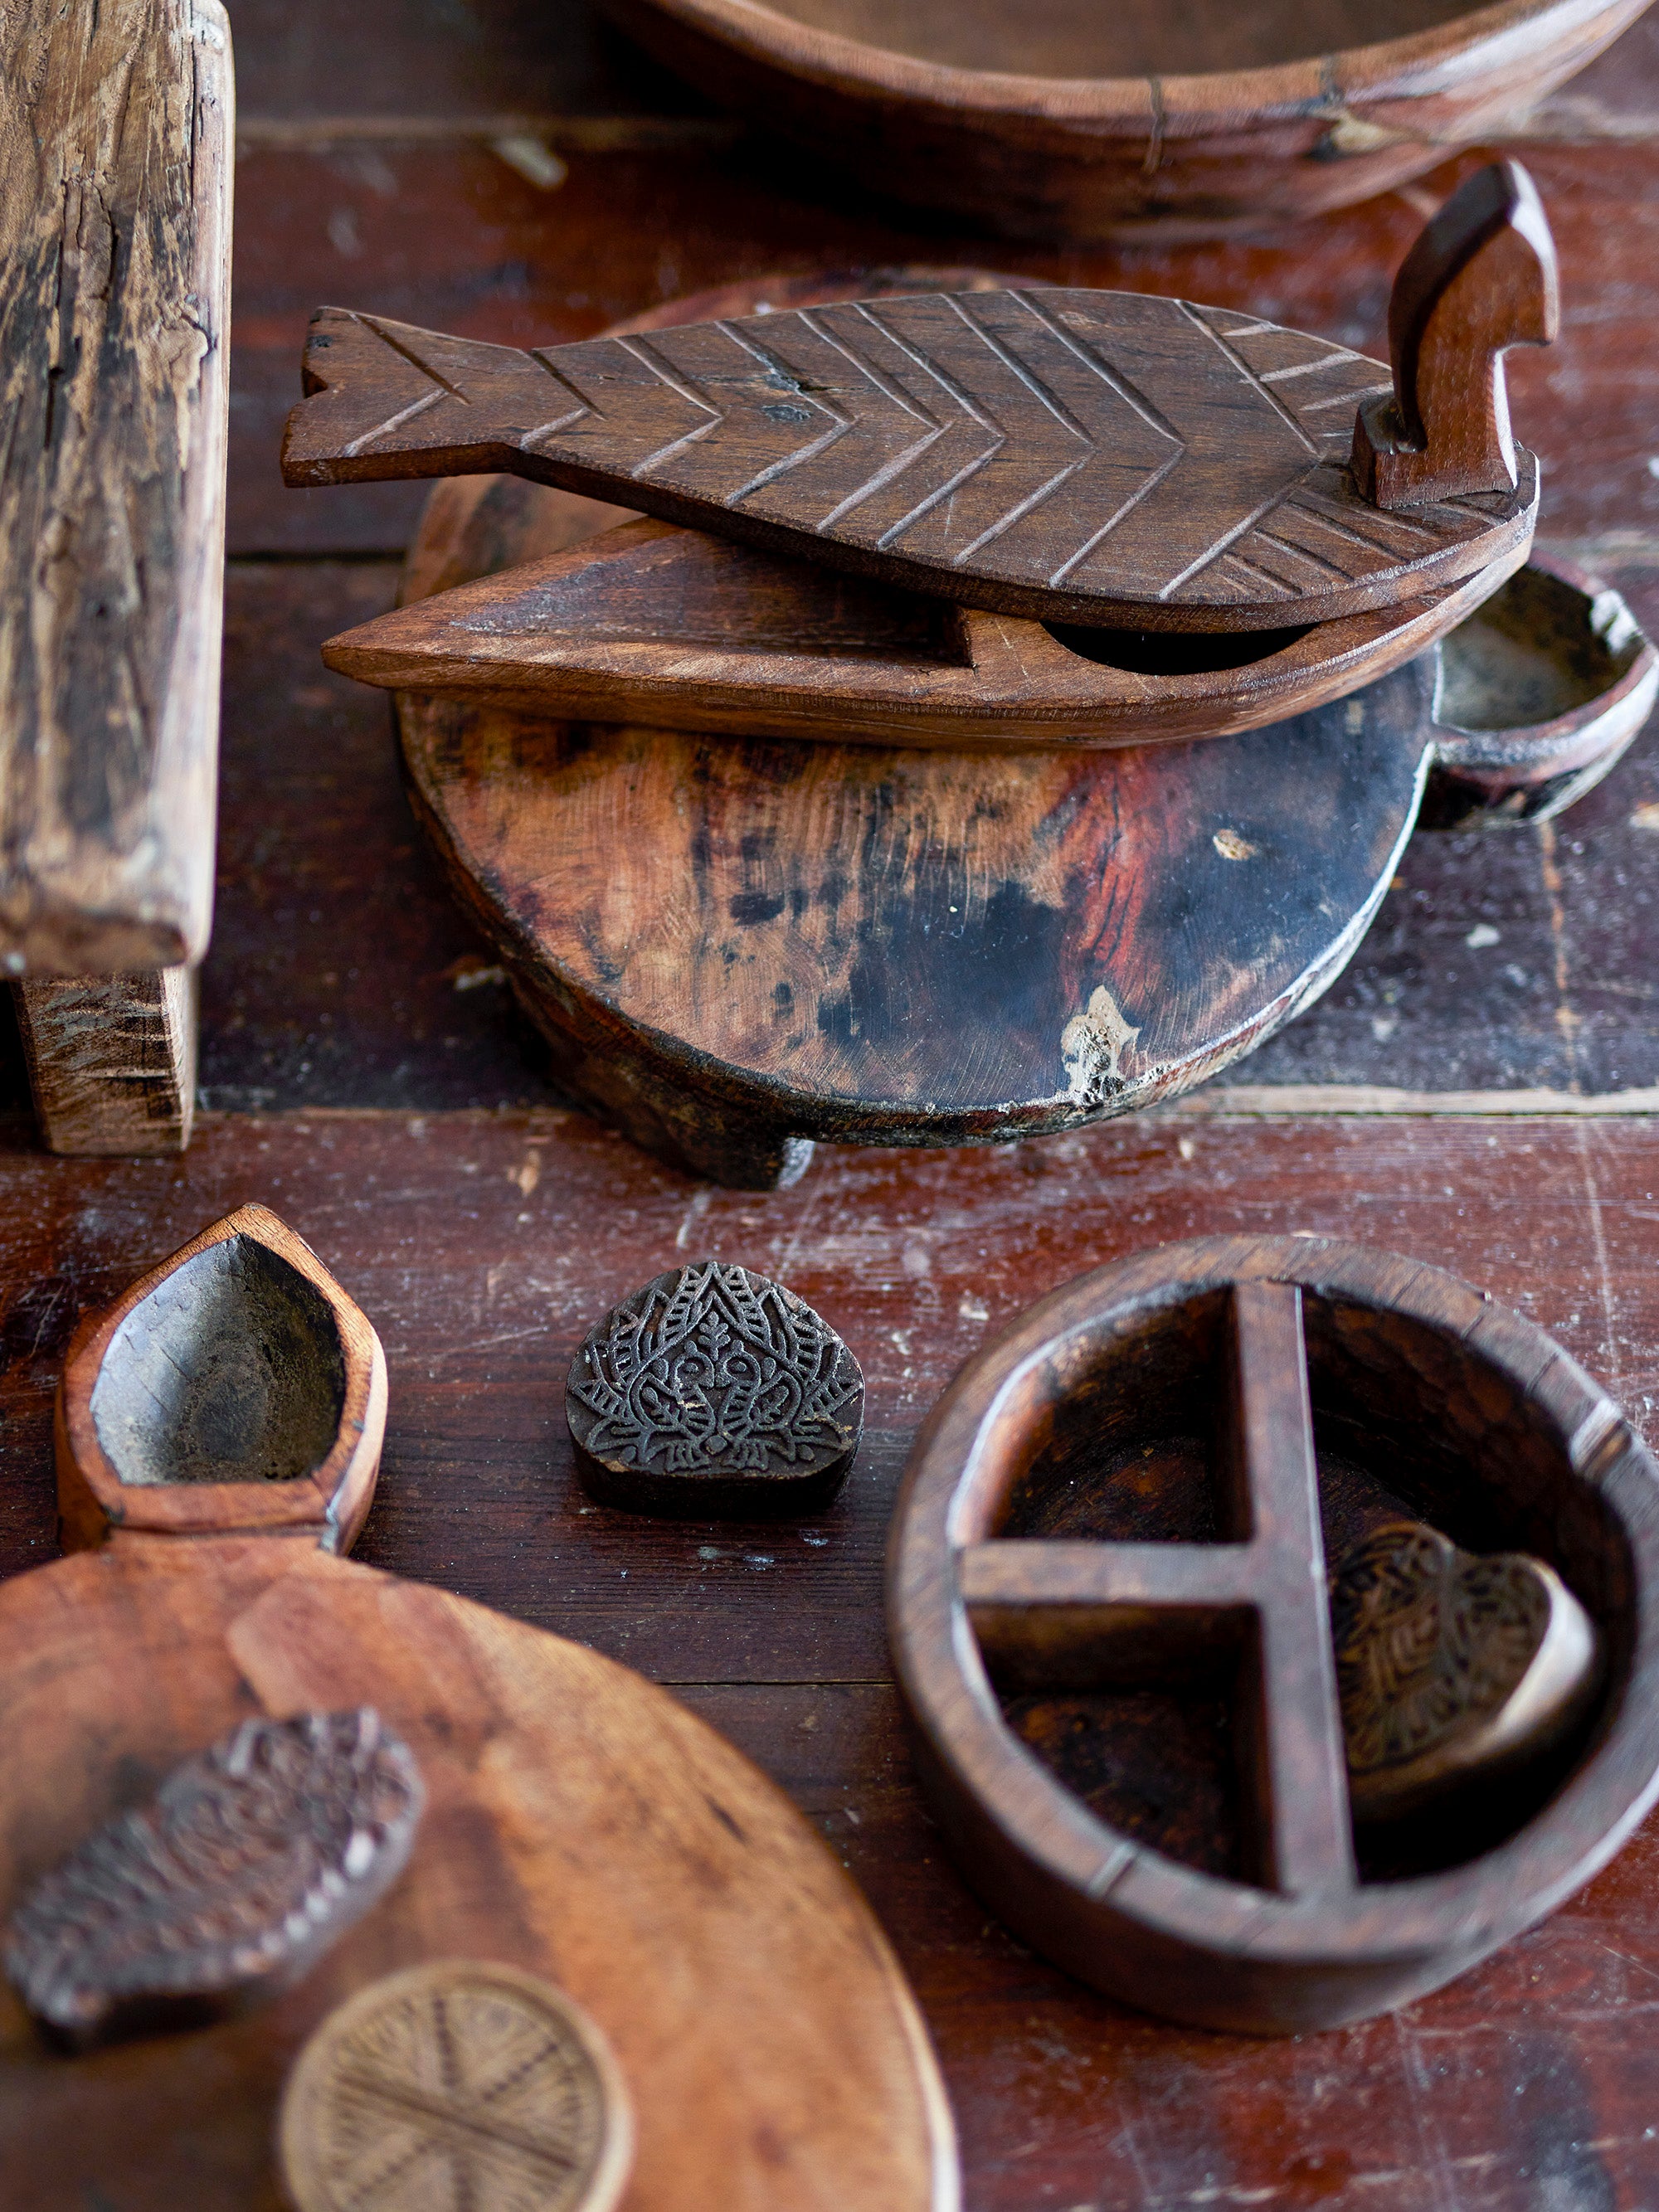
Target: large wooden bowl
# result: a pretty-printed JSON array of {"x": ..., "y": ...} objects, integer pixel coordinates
[{"x": 1069, "y": 118}]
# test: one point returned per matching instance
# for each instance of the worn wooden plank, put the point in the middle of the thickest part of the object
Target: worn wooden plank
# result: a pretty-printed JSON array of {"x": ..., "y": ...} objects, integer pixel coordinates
[
  {"x": 114, "y": 237},
  {"x": 112, "y": 1059}
]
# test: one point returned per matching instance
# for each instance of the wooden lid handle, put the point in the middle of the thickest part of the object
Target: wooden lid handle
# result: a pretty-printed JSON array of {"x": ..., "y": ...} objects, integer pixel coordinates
[{"x": 1480, "y": 278}]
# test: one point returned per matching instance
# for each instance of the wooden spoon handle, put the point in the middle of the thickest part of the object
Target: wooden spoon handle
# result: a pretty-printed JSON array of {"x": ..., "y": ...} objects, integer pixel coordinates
[{"x": 1481, "y": 278}]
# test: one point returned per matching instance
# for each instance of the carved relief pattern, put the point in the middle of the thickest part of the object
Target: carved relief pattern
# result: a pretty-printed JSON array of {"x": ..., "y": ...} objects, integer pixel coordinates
[
  {"x": 1133, "y": 446},
  {"x": 1429, "y": 1640},
  {"x": 457, "y": 2092},
  {"x": 253, "y": 1857},
  {"x": 712, "y": 1368}
]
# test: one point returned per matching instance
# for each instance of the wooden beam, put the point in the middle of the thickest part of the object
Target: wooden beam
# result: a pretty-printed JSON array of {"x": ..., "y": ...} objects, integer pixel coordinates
[
  {"x": 115, "y": 131},
  {"x": 112, "y": 1059}
]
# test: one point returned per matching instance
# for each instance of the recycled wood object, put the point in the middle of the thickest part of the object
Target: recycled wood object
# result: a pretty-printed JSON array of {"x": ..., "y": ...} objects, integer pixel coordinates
[
  {"x": 1138, "y": 1481},
  {"x": 115, "y": 169},
  {"x": 255, "y": 1857},
  {"x": 772, "y": 2052},
  {"x": 235, "y": 1386},
  {"x": 653, "y": 623},
  {"x": 1109, "y": 459},
  {"x": 713, "y": 1391},
  {"x": 1450, "y": 1668},
  {"x": 462, "y": 2084},
  {"x": 1070, "y": 121},
  {"x": 896, "y": 946}
]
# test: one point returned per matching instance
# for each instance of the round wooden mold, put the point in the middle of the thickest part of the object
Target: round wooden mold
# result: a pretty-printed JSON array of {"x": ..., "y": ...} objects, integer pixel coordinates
[
  {"x": 1107, "y": 1601},
  {"x": 581, "y": 1826},
  {"x": 463, "y": 2083},
  {"x": 1068, "y": 120}
]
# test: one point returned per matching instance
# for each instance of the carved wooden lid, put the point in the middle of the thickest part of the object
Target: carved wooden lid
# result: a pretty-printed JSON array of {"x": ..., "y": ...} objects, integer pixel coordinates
[
  {"x": 461, "y": 2086},
  {"x": 1095, "y": 456}
]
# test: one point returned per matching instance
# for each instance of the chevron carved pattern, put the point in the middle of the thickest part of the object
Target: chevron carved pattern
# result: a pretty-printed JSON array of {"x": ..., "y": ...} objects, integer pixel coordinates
[{"x": 1104, "y": 455}]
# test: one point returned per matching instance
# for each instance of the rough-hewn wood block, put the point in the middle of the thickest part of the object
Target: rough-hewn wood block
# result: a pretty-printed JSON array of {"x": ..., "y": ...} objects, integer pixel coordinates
[
  {"x": 112, "y": 1059},
  {"x": 115, "y": 127}
]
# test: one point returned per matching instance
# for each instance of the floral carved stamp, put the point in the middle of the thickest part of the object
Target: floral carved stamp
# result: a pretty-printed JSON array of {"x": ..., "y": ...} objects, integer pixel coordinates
[
  {"x": 713, "y": 1391},
  {"x": 251, "y": 1860}
]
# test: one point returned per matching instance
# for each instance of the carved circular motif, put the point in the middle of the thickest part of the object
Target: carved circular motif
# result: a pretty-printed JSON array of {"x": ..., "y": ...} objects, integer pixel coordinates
[
  {"x": 713, "y": 1390},
  {"x": 456, "y": 2087},
  {"x": 251, "y": 1860}
]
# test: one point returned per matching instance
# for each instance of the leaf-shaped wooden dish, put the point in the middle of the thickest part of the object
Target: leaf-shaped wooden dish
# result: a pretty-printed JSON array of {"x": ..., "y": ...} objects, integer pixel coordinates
[
  {"x": 1111, "y": 459},
  {"x": 236, "y": 1386}
]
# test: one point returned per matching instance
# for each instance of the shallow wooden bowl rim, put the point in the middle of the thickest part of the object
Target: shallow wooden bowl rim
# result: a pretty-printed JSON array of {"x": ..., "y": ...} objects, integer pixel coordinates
[
  {"x": 333, "y": 1497},
  {"x": 1426, "y": 61},
  {"x": 972, "y": 1433}
]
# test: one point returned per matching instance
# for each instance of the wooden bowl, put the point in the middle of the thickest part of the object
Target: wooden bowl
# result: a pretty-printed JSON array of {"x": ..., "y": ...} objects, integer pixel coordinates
[
  {"x": 1059, "y": 119},
  {"x": 1106, "y": 1598}
]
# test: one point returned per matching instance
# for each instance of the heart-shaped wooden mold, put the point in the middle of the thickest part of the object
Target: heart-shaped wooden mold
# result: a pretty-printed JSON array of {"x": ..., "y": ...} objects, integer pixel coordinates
[{"x": 1452, "y": 1666}]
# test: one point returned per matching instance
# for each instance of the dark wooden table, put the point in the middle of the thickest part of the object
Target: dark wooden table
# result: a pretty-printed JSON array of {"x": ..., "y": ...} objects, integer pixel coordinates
[{"x": 1481, "y": 1088}]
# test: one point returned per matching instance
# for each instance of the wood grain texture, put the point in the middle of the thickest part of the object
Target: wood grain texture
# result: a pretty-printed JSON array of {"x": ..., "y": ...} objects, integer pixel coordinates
[
  {"x": 1482, "y": 278},
  {"x": 112, "y": 1059},
  {"x": 1064, "y": 124},
  {"x": 1096, "y": 456},
  {"x": 114, "y": 312},
  {"x": 235, "y": 1386},
  {"x": 579, "y": 1825},
  {"x": 1434, "y": 1392},
  {"x": 737, "y": 949},
  {"x": 669, "y": 627}
]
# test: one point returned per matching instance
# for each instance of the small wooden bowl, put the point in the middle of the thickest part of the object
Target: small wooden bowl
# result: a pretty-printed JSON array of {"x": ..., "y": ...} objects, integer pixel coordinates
[
  {"x": 1106, "y": 1597},
  {"x": 1067, "y": 120},
  {"x": 235, "y": 1388},
  {"x": 1539, "y": 694}
]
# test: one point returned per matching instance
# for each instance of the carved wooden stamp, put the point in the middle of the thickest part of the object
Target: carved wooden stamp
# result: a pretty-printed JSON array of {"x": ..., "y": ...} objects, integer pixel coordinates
[
  {"x": 713, "y": 1391},
  {"x": 1111, "y": 1541},
  {"x": 251, "y": 1860},
  {"x": 461, "y": 2086},
  {"x": 1450, "y": 1668}
]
